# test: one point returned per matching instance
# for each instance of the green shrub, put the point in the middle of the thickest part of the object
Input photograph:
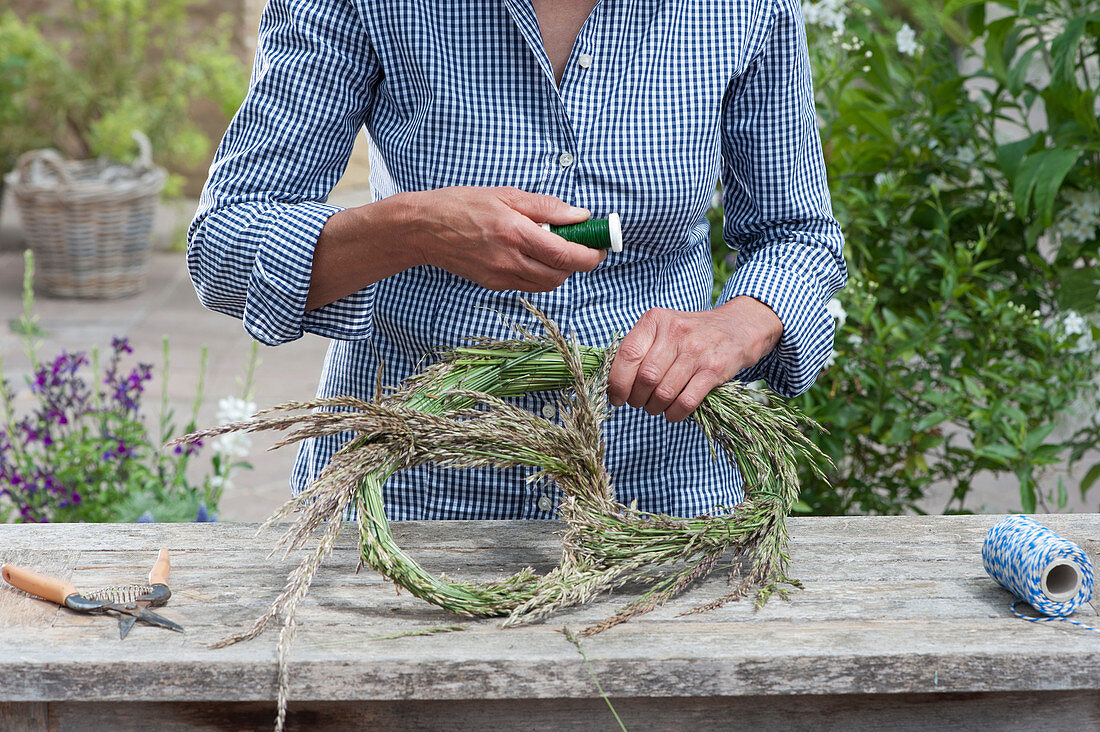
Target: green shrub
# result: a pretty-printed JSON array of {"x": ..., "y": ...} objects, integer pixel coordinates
[
  {"x": 25, "y": 59},
  {"x": 965, "y": 338},
  {"x": 126, "y": 65}
]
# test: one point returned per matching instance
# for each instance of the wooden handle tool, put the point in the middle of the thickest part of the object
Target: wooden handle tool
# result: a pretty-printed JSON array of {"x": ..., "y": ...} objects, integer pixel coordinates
[
  {"x": 39, "y": 585},
  {"x": 158, "y": 575}
]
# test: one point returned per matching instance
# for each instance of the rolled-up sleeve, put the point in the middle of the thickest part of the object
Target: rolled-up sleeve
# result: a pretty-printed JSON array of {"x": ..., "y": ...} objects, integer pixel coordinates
[
  {"x": 776, "y": 200},
  {"x": 250, "y": 246}
]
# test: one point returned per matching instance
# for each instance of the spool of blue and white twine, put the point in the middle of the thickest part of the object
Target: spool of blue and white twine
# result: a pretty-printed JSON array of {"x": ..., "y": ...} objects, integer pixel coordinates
[{"x": 1050, "y": 573}]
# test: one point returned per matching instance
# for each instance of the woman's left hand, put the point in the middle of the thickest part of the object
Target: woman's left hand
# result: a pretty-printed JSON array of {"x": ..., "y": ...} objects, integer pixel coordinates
[{"x": 671, "y": 359}]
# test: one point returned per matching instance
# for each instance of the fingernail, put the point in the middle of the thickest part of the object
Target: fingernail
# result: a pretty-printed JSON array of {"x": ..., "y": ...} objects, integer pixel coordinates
[
  {"x": 616, "y": 402},
  {"x": 577, "y": 211}
]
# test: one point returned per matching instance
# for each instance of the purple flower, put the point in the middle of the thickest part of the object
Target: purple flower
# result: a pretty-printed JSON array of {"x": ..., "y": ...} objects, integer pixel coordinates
[
  {"x": 188, "y": 449},
  {"x": 32, "y": 434},
  {"x": 121, "y": 450},
  {"x": 146, "y": 518},
  {"x": 52, "y": 486}
]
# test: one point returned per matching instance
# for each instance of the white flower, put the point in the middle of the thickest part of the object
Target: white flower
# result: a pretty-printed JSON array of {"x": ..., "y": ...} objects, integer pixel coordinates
[
  {"x": 855, "y": 340},
  {"x": 234, "y": 409},
  {"x": 1075, "y": 327},
  {"x": 233, "y": 445},
  {"x": 1073, "y": 323},
  {"x": 1084, "y": 343},
  {"x": 907, "y": 40},
  {"x": 827, "y": 14},
  {"x": 836, "y": 310},
  {"x": 830, "y": 360},
  {"x": 966, "y": 155},
  {"x": 1079, "y": 221}
]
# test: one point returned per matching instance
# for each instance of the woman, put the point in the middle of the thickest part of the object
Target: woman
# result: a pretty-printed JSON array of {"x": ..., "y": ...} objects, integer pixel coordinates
[{"x": 486, "y": 119}]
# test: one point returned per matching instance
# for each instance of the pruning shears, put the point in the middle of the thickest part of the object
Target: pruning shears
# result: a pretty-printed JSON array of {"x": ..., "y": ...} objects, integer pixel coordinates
[{"x": 132, "y": 602}]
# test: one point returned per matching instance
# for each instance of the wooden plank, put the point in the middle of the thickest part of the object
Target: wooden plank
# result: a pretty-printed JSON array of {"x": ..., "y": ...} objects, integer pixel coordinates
[
  {"x": 218, "y": 596},
  {"x": 24, "y": 716},
  {"x": 501, "y": 534},
  {"x": 539, "y": 662},
  {"x": 1069, "y": 711},
  {"x": 892, "y": 605}
]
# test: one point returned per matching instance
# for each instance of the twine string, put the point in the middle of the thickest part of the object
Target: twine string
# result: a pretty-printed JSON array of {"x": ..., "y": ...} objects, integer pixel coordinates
[
  {"x": 1024, "y": 557},
  {"x": 1045, "y": 619}
]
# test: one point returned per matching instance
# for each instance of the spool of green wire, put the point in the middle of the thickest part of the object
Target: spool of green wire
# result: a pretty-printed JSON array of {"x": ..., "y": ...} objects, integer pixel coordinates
[{"x": 594, "y": 233}]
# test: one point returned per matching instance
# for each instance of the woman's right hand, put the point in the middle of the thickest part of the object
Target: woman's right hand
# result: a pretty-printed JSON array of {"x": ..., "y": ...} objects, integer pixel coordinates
[{"x": 492, "y": 236}]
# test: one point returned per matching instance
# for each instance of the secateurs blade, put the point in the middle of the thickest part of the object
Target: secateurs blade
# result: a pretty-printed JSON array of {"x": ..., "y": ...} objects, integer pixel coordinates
[{"x": 132, "y": 602}]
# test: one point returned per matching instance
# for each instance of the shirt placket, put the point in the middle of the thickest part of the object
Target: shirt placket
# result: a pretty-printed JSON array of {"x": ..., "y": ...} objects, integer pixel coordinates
[
  {"x": 575, "y": 93},
  {"x": 564, "y": 109}
]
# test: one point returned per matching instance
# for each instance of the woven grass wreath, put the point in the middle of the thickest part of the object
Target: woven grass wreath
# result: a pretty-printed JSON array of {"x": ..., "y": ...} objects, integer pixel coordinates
[{"x": 453, "y": 414}]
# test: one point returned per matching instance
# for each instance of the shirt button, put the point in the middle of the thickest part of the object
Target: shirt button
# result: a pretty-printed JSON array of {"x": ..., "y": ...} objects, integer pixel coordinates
[
  {"x": 565, "y": 159},
  {"x": 584, "y": 60},
  {"x": 545, "y": 504},
  {"x": 549, "y": 411}
]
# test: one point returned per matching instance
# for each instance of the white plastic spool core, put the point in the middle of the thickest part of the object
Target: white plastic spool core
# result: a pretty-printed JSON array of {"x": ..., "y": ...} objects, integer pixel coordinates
[
  {"x": 1061, "y": 580},
  {"x": 615, "y": 230}
]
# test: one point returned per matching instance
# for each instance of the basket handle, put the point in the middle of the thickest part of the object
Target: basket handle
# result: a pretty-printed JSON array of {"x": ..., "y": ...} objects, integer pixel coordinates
[
  {"x": 145, "y": 157},
  {"x": 50, "y": 158}
]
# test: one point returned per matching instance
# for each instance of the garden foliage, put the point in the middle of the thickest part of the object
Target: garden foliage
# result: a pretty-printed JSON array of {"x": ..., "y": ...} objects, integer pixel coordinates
[
  {"x": 123, "y": 65},
  {"x": 77, "y": 444},
  {"x": 963, "y": 149}
]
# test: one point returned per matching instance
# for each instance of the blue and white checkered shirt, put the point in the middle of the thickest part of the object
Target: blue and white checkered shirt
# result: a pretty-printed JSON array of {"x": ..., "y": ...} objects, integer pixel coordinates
[{"x": 657, "y": 101}]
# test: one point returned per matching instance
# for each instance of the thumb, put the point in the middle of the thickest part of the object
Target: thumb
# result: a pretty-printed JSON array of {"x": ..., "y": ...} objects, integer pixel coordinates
[{"x": 543, "y": 209}]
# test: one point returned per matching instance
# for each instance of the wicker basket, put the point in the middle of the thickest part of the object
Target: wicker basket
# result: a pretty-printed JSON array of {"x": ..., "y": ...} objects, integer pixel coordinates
[{"x": 89, "y": 223}]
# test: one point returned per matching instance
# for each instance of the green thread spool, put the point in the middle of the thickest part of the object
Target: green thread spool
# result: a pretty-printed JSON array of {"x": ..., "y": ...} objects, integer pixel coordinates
[{"x": 594, "y": 233}]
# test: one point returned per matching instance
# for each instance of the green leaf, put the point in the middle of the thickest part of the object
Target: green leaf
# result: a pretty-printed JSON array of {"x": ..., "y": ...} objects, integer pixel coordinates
[
  {"x": 1017, "y": 76},
  {"x": 929, "y": 421},
  {"x": 975, "y": 17},
  {"x": 1042, "y": 174},
  {"x": 1055, "y": 167},
  {"x": 973, "y": 388},
  {"x": 1063, "y": 51},
  {"x": 1036, "y": 436},
  {"x": 1090, "y": 479},
  {"x": 999, "y": 453},
  {"x": 1085, "y": 114},
  {"x": 899, "y": 432},
  {"x": 1027, "y": 492},
  {"x": 1011, "y": 154},
  {"x": 999, "y": 45}
]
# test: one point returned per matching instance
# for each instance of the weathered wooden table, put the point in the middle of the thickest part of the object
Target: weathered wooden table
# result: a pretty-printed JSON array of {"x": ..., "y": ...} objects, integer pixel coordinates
[{"x": 898, "y": 627}]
